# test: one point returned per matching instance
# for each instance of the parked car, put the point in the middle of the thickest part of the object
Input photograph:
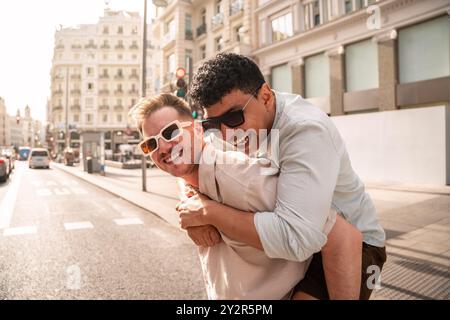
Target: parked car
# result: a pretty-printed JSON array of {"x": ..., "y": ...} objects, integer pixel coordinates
[
  {"x": 4, "y": 168},
  {"x": 39, "y": 157},
  {"x": 9, "y": 153}
]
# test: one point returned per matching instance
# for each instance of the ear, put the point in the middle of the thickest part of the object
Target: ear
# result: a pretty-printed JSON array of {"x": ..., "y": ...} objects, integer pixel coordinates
[{"x": 266, "y": 93}]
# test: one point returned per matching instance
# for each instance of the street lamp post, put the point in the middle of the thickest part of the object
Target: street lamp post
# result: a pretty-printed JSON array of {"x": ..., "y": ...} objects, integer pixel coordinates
[{"x": 143, "y": 89}]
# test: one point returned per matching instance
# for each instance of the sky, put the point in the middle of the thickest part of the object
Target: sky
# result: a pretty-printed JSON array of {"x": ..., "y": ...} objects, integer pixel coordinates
[{"x": 27, "y": 29}]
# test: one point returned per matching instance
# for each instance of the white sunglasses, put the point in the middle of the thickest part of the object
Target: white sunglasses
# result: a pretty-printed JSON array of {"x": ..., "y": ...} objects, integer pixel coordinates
[{"x": 170, "y": 132}]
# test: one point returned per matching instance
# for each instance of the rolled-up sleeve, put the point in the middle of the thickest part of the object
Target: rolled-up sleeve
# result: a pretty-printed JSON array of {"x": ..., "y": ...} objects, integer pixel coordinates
[{"x": 309, "y": 167}]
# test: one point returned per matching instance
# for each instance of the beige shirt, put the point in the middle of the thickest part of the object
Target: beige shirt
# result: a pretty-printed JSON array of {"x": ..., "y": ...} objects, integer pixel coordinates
[{"x": 234, "y": 270}]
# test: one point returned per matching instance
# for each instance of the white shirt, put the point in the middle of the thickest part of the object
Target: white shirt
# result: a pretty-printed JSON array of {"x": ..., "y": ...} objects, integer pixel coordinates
[
  {"x": 315, "y": 174},
  {"x": 234, "y": 270}
]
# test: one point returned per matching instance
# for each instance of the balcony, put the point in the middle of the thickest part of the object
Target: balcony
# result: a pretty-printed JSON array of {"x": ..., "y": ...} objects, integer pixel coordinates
[
  {"x": 134, "y": 47},
  {"x": 104, "y": 76},
  {"x": 188, "y": 35},
  {"x": 119, "y": 46},
  {"x": 75, "y": 91},
  {"x": 105, "y": 46},
  {"x": 201, "y": 30},
  {"x": 75, "y": 77},
  {"x": 103, "y": 92},
  {"x": 90, "y": 46},
  {"x": 118, "y": 92},
  {"x": 103, "y": 107},
  {"x": 217, "y": 20},
  {"x": 118, "y": 107},
  {"x": 57, "y": 92},
  {"x": 57, "y": 108},
  {"x": 59, "y": 47},
  {"x": 76, "y": 46},
  {"x": 133, "y": 92},
  {"x": 236, "y": 7},
  {"x": 118, "y": 77},
  {"x": 134, "y": 76},
  {"x": 57, "y": 77}
]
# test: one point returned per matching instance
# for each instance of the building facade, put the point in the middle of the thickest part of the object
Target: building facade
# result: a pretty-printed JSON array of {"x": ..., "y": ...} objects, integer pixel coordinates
[
  {"x": 5, "y": 134},
  {"x": 379, "y": 68},
  {"x": 96, "y": 78},
  {"x": 198, "y": 29}
]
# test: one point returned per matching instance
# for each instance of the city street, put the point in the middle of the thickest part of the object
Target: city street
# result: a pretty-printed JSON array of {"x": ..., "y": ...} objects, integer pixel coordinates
[{"x": 63, "y": 238}]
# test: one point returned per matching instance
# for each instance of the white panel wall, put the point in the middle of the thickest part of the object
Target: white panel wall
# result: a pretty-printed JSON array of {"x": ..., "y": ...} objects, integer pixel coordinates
[{"x": 404, "y": 146}]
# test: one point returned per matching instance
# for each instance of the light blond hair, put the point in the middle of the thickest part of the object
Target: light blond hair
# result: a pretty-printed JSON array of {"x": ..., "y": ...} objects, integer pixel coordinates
[{"x": 146, "y": 106}]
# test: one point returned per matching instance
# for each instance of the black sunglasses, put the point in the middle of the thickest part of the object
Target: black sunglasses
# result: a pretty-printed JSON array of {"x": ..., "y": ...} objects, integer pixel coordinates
[{"x": 231, "y": 118}]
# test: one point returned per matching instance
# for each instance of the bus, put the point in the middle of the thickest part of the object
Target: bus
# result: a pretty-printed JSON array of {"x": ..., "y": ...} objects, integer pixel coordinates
[{"x": 24, "y": 152}]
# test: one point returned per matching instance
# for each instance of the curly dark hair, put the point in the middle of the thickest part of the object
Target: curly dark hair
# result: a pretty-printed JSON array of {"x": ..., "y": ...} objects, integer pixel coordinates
[{"x": 222, "y": 74}]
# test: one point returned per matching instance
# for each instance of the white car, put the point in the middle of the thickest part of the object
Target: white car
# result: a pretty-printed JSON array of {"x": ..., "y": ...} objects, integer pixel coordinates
[{"x": 39, "y": 158}]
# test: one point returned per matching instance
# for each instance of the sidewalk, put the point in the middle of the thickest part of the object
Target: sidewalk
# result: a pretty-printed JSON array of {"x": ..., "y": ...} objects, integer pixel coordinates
[{"x": 416, "y": 220}]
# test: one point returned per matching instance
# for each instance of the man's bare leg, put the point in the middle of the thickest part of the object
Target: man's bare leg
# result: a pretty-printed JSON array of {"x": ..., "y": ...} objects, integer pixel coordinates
[{"x": 342, "y": 261}]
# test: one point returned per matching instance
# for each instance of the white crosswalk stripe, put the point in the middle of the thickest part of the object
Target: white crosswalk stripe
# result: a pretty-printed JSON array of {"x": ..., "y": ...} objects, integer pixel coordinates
[
  {"x": 19, "y": 231},
  {"x": 128, "y": 221},
  {"x": 78, "y": 225}
]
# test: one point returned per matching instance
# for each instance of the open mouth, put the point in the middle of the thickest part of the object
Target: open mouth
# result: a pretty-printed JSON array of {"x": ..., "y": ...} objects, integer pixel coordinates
[{"x": 172, "y": 158}]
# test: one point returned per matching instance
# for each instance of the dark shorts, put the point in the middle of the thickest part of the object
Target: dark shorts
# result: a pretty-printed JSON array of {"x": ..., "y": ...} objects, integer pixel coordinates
[{"x": 314, "y": 282}]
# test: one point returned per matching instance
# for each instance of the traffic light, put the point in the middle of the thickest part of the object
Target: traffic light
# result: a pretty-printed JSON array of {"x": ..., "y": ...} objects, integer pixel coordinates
[{"x": 181, "y": 83}]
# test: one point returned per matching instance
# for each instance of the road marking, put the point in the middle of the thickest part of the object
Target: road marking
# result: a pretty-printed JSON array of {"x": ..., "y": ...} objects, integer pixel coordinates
[
  {"x": 78, "y": 225},
  {"x": 128, "y": 221},
  {"x": 7, "y": 205},
  {"x": 79, "y": 191},
  {"x": 19, "y": 231},
  {"x": 44, "y": 192}
]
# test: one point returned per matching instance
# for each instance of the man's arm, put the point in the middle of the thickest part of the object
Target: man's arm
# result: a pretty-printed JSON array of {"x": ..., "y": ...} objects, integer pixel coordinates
[{"x": 309, "y": 169}]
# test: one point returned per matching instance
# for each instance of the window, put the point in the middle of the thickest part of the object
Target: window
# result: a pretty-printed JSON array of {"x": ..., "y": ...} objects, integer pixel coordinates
[
  {"x": 88, "y": 118},
  {"x": 89, "y": 102},
  {"x": 120, "y": 30},
  {"x": 203, "y": 52},
  {"x": 170, "y": 27},
  {"x": 423, "y": 51},
  {"x": 76, "y": 118},
  {"x": 105, "y": 118},
  {"x": 317, "y": 76},
  {"x": 361, "y": 56},
  {"x": 120, "y": 72},
  {"x": 282, "y": 27},
  {"x": 171, "y": 66},
  {"x": 282, "y": 78},
  {"x": 203, "y": 16},
  {"x": 134, "y": 30},
  {"x": 120, "y": 56},
  {"x": 220, "y": 44},
  {"x": 188, "y": 27},
  {"x": 105, "y": 30},
  {"x": 316, "y": 12},
  {"x": 239, "y": 31},
  {"x": 119, "y": 118},
  {"x": 218, "y": 7},
  {"x": 90, "y": 86},
  {"x": 89, "y": 71}
]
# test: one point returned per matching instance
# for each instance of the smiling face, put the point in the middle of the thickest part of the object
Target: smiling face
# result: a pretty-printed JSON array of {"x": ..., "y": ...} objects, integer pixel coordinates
[
  {"x": 259, "y": 113},
  {"x": 170, "y": 156}
]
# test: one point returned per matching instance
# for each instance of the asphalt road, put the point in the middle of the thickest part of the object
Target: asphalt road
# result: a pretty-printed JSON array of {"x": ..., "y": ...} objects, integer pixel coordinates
[{"x": 61, "y": 238}]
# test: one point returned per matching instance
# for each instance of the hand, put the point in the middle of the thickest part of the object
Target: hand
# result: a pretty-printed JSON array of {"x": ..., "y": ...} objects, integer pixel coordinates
[
  {"x": 194, "y": 211},
  {"x": 204, "y": 236}
]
